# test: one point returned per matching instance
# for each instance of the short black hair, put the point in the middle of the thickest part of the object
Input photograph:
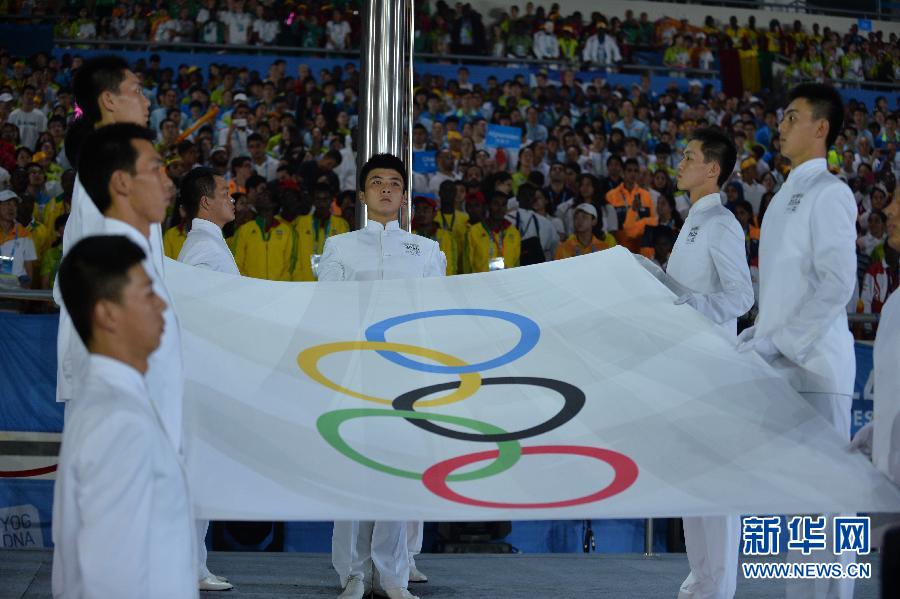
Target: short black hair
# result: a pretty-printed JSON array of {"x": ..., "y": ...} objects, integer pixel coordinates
[
  {"x": 385, "y": 161},
  {"x": 96, "y": 268},
  {"x": 237, "y": 162},
  {"x": 95, "y": 76},
  {"x": 335, "y": 156},
  {"x": 447, "y": 190},
  {"x": 826, "y": 103},
  {"x": 199, "y": 182},
  {"x": 716, "y": 146},
  {"x": 105, "y": 151},
  {"x": 254, "y": 181},
  {"x": 525, "y": 195}
]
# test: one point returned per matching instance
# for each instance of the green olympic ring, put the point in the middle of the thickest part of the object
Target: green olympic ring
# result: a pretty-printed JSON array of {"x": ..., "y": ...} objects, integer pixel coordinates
[{"x": 328, "y": 424}]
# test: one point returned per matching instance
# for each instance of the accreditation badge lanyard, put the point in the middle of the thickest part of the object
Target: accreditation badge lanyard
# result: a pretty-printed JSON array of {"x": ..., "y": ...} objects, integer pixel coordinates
[
  {"x": 316, "y": 257},
  {"x": 495, "y": 263},
  {"x": 7, "y": 262},
  {"x": 444, "y": 221}
]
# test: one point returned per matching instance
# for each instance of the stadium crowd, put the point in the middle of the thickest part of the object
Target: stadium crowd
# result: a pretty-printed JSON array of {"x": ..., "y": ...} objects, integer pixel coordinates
[
  {"x": 595, "y": 167},
  {"x": 535, "y": 32}
]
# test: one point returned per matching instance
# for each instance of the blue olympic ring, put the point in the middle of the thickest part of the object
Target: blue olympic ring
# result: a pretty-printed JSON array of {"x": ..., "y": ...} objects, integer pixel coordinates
[{"x": 529, "y": 330}]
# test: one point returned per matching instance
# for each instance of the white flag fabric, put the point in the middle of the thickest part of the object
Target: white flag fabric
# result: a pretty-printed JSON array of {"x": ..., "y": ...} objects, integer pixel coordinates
[{"x": 567, "y": 390}]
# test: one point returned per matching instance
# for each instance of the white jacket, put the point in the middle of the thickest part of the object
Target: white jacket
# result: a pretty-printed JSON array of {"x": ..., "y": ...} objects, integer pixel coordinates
[
  {"x": 807, "y": 274},
  {"x": 165, "y": 376},
  {"x": 886, "y": 356},
  {"x": 531, "y": 224},
  {"x": 605, "y": 52},
  {"x": 545, "y": 45},
  {"x": 84, "y": 220},
  {"x": 205, "y": 247},
  {"x": 122, "y": 519},
  {"x": 379, "y": 253},
  {"x": 710, "y": 259}
]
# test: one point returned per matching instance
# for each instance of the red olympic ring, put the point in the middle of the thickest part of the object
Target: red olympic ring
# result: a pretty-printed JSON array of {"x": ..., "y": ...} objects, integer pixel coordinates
[
  {"x": 27, "y": 473},
  {"x": 626, "y": 472}
]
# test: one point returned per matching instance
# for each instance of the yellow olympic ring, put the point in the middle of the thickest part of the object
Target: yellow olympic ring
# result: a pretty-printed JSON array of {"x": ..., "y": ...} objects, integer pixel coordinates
[{"x": 308, "y": 360}]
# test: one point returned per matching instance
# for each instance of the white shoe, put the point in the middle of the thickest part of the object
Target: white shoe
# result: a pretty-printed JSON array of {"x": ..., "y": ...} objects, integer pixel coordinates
[
  {"x": 399, "y": 593},
  {"x": 219, "y": 578},
  {"x": 415, "y": 575},
  {"x": 355, "y": 589},
  {"x": 211, "y": 583}
]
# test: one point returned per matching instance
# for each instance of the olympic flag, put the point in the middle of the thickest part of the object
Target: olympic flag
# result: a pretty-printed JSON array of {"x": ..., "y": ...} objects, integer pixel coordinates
[{"x": 574, "y": 389}]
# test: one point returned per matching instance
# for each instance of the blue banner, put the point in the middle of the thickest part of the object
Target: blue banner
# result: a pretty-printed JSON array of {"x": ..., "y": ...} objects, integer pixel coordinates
[
  {"x": 424, "y": 162},
  {"x": 865, "y": 24},
  {"x": 861, "y": 412},
  {"x": 28, "y": 377},
  {"x": 499, "y": 136}
]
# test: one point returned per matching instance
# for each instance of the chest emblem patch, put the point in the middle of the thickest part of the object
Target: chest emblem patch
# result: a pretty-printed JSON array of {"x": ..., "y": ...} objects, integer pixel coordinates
[
  {"x": 412, "y": 249},
  {"x": 794, "y": 202},
  {"x": 692, "y": 234}
]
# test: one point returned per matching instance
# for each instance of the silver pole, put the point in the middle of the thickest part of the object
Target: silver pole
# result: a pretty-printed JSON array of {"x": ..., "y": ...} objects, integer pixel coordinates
[
  {"x": 648, "y": 537},
  {"x": 385, "y": 106}
]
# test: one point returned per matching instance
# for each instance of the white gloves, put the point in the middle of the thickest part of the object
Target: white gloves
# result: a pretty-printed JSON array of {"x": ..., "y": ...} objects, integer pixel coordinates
[{"x": 747, "y": 341}]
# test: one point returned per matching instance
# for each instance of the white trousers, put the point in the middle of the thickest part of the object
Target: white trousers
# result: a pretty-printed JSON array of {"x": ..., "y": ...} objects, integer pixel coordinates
[
  {"x": 414, "y": 531},
  {"x": 836, "y": 410},
  {"x": 713, "y": 545},
  {"x": 202, "y": 527},
  {"x": 358, "y": 546}
]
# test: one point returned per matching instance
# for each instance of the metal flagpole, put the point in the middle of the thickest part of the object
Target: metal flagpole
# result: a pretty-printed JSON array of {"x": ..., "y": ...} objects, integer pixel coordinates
[{"x": 385, "y": 107}]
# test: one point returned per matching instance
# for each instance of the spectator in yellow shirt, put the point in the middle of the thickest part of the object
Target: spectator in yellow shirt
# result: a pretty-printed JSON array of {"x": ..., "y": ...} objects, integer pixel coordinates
[
  {"x": 41, "y": 235},
  {"x": 452, "y": 220},
  {"x": 424, "y": 224},
  {"x": 61, "y": 204},
  {"x": 312, "y": 231},
  {"x": 265, "y": 246},
  {"x": 175, "y": 235},
  {"x": 494, "y": 244},
  {"x": 583, "y": 241}
]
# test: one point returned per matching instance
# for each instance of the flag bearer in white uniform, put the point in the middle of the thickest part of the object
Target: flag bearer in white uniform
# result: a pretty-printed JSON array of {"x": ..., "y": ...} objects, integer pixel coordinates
[
  {"x": 382, "y": 250},
  {"x": 881, "y": 437},
  {"x": 710, "y": 259},
  {"x": 123, "y": 175},
  {"x": 807, "y": 274},
  {"x": 107, "y": 93},
  {"x": 122, "y": 521},
  {"x": 204, "y": 196}
]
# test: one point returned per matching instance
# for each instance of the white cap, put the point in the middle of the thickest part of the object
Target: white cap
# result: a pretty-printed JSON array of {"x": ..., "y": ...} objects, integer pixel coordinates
[
  {"x": 7, "y": 194},
  {"x": 240, "y": 97},
  {"x": 7, "y": 97},
  {"x": 587, "y": 208}
]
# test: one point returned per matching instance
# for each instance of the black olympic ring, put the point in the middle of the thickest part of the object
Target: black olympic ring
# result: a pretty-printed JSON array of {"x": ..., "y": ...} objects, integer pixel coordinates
[{"x": 573, "y": 396}]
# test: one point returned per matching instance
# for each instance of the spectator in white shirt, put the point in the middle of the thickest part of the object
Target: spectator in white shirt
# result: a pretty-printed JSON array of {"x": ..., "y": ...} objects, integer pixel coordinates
[
  {"x": 264, "y": 165},
  {"x": 265, "y": 26},
  {"x": 237, "y": 23},
  {"x": 445, "y": 172},
  {"x": 184, "y": 27},
  {"x": 123, "y": 25},
  {"x": 167, "y": 30},
  {"x": 545, "y": 43},
  {"x": 601, "y": 49},
  {"x": 30, "y": 121},
  {"x": 337, "y": 32}
]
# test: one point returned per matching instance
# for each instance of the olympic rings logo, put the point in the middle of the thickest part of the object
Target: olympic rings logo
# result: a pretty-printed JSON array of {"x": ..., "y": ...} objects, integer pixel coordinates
[{"x": 508, "y": 451}]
